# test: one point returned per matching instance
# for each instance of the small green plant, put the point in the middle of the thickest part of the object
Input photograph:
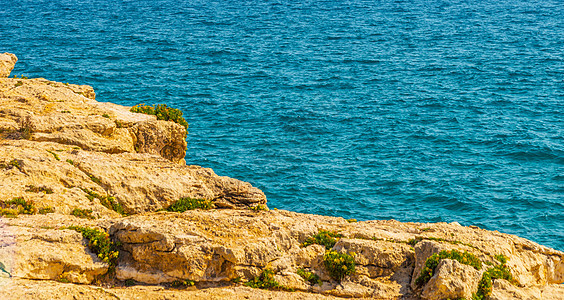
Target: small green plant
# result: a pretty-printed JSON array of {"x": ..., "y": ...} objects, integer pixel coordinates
[
  {"x": 95, "y": 179},
  {"x": 82, "y": 213},
  {"x": 265, "y": 281},
  {"x": 182, "y": 283},
  {"x": 62, "y": 279},
  {"x": 501, "y": 258},
  {"x": 16, "y": 164},
  {"x": 46, "y": 210},
  {"x": 258, "y": 207},
  {"x": 323, "y": 237},
  {"x": 339, "y": 264},
  {"x": 485, "y": 285},
  {"x": 106, "y": 116},
  {"x": 20, "y": 205},
  {"x": 40, "y": 189},
  {"x": 111, "y": 203},
  {"x": 70, "y": 161},
  {"x": 99, "y": 242},
  {"x": 107, "y": 201},
  {"x": 352, "y": 220},
  {"x": 162, "y": 112},
  {"x": 19, "y": 83},
  {"x": 184, "y": 204},
  {"x": 309, "y": 276},
  {"x": 433, "y": 261},
  {"x": 236, "y": 279},
  {"x": 54, "y": 155},
  {"x": 129, "y": 282},
  {"x": 119, "y": 124},
  {"x": 9, "y": 212}
]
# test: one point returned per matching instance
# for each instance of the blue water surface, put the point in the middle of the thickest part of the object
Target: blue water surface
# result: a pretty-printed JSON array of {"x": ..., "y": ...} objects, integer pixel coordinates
[{"x": 424, "y": 111}]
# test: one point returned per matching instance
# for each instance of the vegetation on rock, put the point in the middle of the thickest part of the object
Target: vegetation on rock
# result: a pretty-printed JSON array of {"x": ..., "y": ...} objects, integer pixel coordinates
[
  {"x": 99, "y": 242},
  {"x": 265, "y": 281},
  {"x": 433, "y": 261},
  {"x": 182, "y": 283},
  {"x": 184, "y": 204},
  {"x": 323, "y": 237},
  {"x": 108, "y": 201},
  {"x": 38, "y": 189},
  {"x": 162, "y": 112},
  {"x": 500, "y": 271},
  {"x": 339, "y": 264},
  {"x": 309, "y": 276},
  {"x": 82, "y": 213},
  {"x": 12, "y": 208}
]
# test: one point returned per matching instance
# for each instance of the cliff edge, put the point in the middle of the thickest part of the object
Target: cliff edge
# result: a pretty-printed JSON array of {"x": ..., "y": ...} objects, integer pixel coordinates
[{"x": 96, "y": 202}]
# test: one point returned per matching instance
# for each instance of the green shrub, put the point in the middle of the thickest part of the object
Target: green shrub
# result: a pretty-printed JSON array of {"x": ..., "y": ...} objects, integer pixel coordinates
[
  {"x": 258, "y": 207},
  {"x": 106, "y": 116},
  {"x": 323, "y": 237},
  {"x": 38, "y": 189},
  {"x": 266, "y": 281},
  {"x": 184, "y": 204},
  {"x": 18, "y": 205},
  {"x": 433, "y": 261},
  {"x": 182, "y": 283},
  {"x": 46, "y": 210},
  {"x": 339, "y": 264},
  {"x": 82, "y": 213},
  {"x": 498, "y": 272},
  {"x": 19, "y": 83},
  {"x": 162, "y": 112},
  {"x": 309, "y": 276},
  {"x": 99, "y": 242},
  {"x": 70, "y": 161}
]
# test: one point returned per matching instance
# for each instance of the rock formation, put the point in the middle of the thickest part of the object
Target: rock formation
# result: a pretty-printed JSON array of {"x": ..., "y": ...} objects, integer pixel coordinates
[{"x": 69, "y": 162}]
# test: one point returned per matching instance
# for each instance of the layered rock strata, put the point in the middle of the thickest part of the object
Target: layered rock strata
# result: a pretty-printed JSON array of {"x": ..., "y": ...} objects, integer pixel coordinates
[{"x": 63, "y": 151}]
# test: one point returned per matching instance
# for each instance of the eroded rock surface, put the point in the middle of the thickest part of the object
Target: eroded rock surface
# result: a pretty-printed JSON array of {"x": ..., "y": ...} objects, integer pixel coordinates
[
  {"x": 222, "y": 245},
  {"x": 7, "y": 63}
]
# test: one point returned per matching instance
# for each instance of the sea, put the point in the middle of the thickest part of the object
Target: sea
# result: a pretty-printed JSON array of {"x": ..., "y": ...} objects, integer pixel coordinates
[{"x": 413, "y": 110}]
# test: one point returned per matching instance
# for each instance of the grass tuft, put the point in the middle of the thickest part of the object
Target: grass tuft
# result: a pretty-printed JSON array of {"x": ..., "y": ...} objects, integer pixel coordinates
[
  {"x": 323, "y": 237},
  {"x": 184, "y": 204},
  {"x": 309, "y": 276},
  {"x": 266, "y": 281},
  {"x": 82, "y": 213}
]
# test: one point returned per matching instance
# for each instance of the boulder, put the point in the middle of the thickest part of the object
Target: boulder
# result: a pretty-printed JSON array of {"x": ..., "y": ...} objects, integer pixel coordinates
[{"x": 7, "y": 63}]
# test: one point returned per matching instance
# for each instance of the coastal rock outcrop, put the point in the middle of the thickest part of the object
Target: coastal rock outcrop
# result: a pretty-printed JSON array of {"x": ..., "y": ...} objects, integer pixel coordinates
[
  {"x": 83, "y": 190},
  {"x": 7, "y": 63}
]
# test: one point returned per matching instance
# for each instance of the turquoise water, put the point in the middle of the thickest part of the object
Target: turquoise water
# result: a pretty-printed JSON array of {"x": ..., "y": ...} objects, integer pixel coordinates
[{"x": 415, "y": 110}]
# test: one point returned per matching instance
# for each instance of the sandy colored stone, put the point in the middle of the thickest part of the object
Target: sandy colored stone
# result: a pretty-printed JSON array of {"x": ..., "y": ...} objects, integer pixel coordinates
[
  {"x": 48, "y": 254},
  {"x": 452, "y": 280},
  {"x": 7, "y": 63}
]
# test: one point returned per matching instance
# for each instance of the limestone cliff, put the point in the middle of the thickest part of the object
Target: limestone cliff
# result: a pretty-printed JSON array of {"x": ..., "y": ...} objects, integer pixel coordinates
[{"x": 68, "y": 162}]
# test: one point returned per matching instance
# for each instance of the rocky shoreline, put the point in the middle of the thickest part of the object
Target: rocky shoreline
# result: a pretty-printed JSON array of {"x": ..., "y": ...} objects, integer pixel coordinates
[{"x": 76, "y": 173}]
